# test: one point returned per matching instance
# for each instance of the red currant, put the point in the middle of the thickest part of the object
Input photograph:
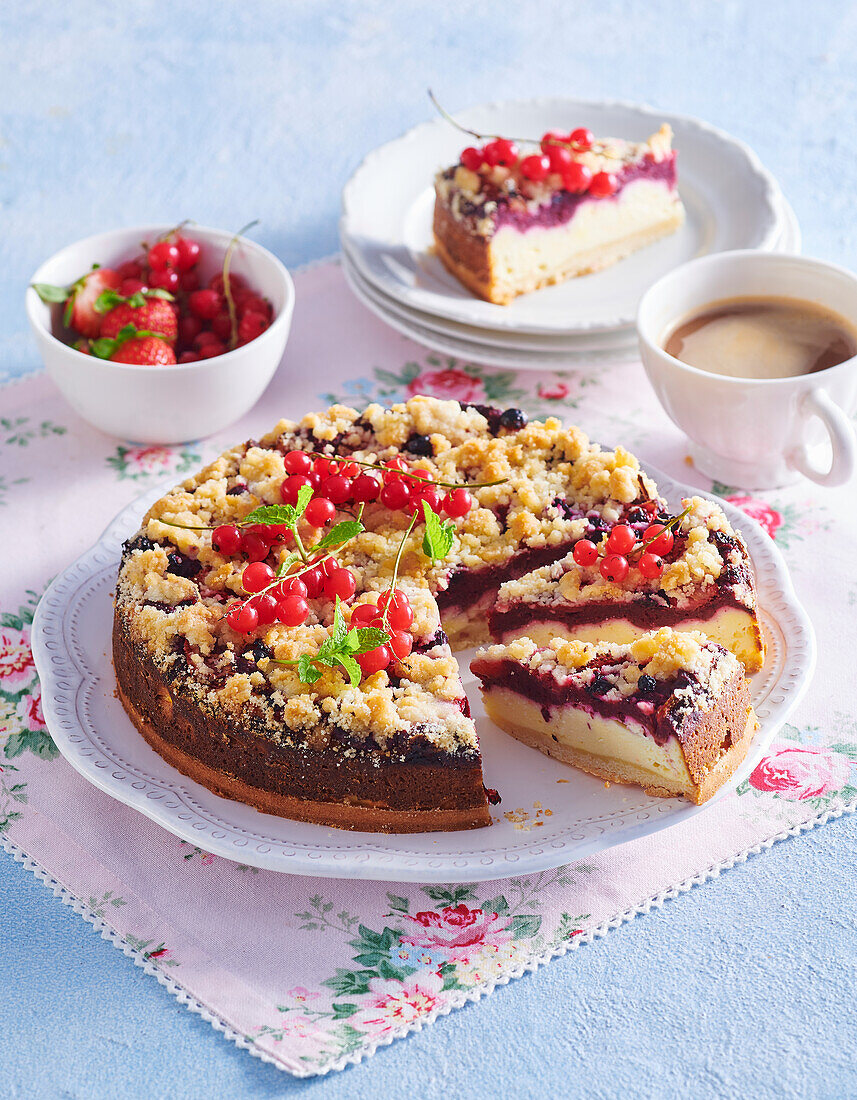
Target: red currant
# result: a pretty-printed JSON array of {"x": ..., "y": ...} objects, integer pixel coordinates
[
  {"x": 374, "y": 661},
  {"x": 337, "y": 488},
  {"x": 205, "y": 304},
  {"x": 163, "y": 254},
  {"x": 500, "y": 151},
  {"x": 340, "y": 583},
  {"x": 189, "y": 357},
  {"x": 582, "y": 138},
  {"x": 401, "y": 643},
  {"x": 535, "y": 167},
  {"x": 130, "y": 269},
  {"x": 291, "y": 586},
  {"x": 243, "y": 618},
  {"x": 205, "y": 337},
  {"x": 257, "y": 576},
  {"x": 395, "y": 495},
  {"x": 212, "y": 348},
  {"x": 188, "y": 253},
  {"x": 393, "y": 468},
  {"x": 189, "y": 280},
  {"x": 221, "y": 326},
  {"x": 237, "y": 283},
  {"x": 292, "y": 611},
  {"x": 559, "y": 158},
  {"x": 364, "y": 614},
  {"x": 313, "y": 580},
  {"x": 266, "y": 608},
  {"x": 189, "y": 328},
  {"x": 472, "y": 158},
  {"x": 614, "y": 568},
  {"x": 621, "y": 539},
  {"x": 319, "y": 512},
  {"x": 297, "y": 462},
  {"x": 366, "y": 488},
  {"x": 576, "y": 177},
  {"x": 550, "y": 140},
  {"x": 281, "y": 532},
  {"x": 650, "y": 565},
  {"x": 585, "y": 552},
  {"x": 290, "y": 488},
  {"x": 226, "y": 539},
  {"x": 398, "y": 609},
  {"x": 257, "y": 304},
  {"x": 349, "y": 469},
  {"x": 457, "y": 503},
  {"x": 603, "y": 184},
  {"x": 129, "y": 287},
  {"x": 265, "y": 531},
  {"x": 430, "y": 495},
  {"x": 164, "y": 278},
  {"x": 254, "y": 547},
  {"x": 662, "y": 536},
  {"x": 251, "y": 325}
]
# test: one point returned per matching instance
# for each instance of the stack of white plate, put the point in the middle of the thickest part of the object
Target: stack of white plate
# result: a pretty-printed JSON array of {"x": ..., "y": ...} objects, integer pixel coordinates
[{"x": 731, "y": 202}]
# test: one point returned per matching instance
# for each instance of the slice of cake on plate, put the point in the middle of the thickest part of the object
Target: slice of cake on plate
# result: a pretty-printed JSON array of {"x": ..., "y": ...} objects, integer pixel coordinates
[
  {"x": 670, "y": 712},
  {"x": 702, "y": 580},
  {"x": 506, "y": 224}
]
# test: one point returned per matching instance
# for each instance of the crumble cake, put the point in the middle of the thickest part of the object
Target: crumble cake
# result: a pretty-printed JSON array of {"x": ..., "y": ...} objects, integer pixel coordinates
[
  {"x": 670, "y": 711},
  {"x": 397, "y": 750},
  {"x": 506, "y": 225}
]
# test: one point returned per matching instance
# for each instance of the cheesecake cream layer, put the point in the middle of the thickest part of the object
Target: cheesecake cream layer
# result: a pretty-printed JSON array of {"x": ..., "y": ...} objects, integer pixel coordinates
[
  {"x": 735, "y": 628},
  {"x": 599, "y": 234},
  {"x": 620, "y": 752}
]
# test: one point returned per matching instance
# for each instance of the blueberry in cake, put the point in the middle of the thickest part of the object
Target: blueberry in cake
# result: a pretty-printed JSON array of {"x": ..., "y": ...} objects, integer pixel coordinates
[
  {"x": 507, "y": 224},
  {"x": 285, "y": 620},
  {"x": 670, "y": 711}
]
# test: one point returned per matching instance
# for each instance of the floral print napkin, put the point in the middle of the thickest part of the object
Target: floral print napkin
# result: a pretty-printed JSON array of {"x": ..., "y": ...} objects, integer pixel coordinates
[{"x": 314, "y": 973}]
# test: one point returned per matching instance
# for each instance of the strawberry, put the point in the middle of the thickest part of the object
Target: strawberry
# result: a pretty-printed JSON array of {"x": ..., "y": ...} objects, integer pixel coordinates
[
  {"x": 136, "y": 346},
  {"x": 80, "y": 297},
  {"x": 144, "y": 310},
  {"x": 148, "y": 351}
]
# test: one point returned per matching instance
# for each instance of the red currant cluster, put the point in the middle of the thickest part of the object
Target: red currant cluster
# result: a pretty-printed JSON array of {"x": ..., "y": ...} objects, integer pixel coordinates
[
  {"x": 285, "y": 601},
  {"x": 557, "y": 157},
  {"x": 622, "y": 549},
  {"x": 339, "y": 482}
]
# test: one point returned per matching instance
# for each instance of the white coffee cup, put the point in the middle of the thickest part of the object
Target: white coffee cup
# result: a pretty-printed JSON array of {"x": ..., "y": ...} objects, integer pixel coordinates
[{"x": 755, "y": 433}]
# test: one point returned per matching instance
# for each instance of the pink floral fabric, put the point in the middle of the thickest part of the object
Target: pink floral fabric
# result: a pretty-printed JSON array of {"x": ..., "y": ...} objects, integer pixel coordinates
[{"x": 316, "y": 973}]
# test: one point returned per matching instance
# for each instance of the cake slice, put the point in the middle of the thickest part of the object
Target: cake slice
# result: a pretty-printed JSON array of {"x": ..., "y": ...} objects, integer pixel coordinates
[
  {"x": 707, "y": 584},
  {"x": 670, "y": 712},
  {"x": 502, "y": 233}
]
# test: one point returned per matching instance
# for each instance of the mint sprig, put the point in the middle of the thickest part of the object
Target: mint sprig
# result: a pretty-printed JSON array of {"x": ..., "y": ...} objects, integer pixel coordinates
[
  {"x": 438, "y": 536},
  {"x": 341, "y": 647},
  {"x": 279, "y": 514}
]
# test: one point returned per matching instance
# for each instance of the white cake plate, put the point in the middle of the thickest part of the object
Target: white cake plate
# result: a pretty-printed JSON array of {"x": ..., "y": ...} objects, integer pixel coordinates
[{"x": 549, "y": 815}]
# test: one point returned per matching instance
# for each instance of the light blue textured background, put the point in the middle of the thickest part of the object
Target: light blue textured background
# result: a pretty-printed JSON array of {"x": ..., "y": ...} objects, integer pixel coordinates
[{"x": 121, "y": 114}]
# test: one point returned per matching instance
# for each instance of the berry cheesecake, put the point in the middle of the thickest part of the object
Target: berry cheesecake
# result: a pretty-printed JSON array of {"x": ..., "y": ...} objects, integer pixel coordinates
[
  {"x": 506, "y": 225},
  {"x": 285, "y": 620},
  {"x": 702, "y": 581},
  {"x": 670, "y": 712}
]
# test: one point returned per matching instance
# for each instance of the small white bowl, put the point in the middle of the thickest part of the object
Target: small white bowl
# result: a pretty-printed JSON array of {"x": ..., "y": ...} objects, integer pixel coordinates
[{"x": 169, "y": 404}]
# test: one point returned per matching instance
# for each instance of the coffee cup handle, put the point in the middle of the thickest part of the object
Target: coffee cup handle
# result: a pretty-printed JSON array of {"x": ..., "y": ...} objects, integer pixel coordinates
[{"x": 843, "y": 440}]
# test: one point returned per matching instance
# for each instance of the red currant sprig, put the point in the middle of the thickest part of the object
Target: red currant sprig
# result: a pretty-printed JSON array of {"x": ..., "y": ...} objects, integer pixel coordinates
[{"x": 622, "y": 550}]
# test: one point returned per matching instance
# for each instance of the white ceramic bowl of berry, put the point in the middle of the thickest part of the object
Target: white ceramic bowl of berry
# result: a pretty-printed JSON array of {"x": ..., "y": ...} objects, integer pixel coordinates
[{"x": 164, "y": 403}]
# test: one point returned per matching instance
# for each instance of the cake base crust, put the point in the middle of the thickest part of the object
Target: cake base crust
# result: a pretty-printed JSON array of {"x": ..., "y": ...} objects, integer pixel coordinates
[{"x": 411, "y": 796}]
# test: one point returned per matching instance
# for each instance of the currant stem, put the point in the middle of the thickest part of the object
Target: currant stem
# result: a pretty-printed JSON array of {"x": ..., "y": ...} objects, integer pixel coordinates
[
  {"x": 396, "y": 563},
  {"x": 227, "y": 287}
]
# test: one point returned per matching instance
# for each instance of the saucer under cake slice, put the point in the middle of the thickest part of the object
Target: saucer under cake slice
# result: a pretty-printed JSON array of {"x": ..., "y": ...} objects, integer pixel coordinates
[
  {"x": 707, "y": 584},
  {"x": 670, "y": 712},
  {"x": 502, "y": 233}
]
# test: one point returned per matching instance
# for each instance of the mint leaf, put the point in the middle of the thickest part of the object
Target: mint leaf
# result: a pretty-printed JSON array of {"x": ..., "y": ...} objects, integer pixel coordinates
[
  {"x": 368, "y": 638},
  {"x": 49, "y": 293},
  {"x": 342, "y": 532},
  {"x": 351, "y": 667},
  {"x": 307, "y": 672},
  {"x": 340, "y": 628},
  {"x": 304, "y": 497},
  {"x": 272, "y": 514},
  {"x": 287, "y": 562},
  {"x": 438, "y": 537}
]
